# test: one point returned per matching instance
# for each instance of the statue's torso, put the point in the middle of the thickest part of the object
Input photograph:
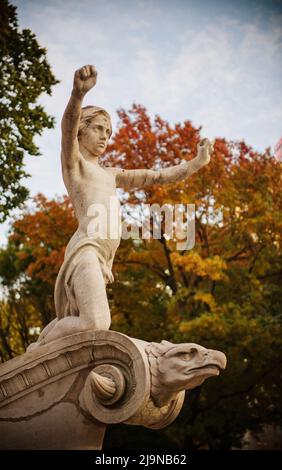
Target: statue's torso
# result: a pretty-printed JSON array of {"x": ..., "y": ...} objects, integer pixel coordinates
[{"x": 92, "y": 190}]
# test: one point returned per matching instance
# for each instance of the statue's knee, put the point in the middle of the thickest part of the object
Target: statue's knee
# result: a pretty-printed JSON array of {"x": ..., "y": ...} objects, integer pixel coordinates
[{"x": 90, "y": 263}]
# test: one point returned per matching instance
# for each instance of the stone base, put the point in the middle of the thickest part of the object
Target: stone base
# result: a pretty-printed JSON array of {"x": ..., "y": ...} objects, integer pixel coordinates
[
  {"x": 63, "y": 394},
  {"x": 40, "y": 392},
  {"x": 62, "y": 427}
]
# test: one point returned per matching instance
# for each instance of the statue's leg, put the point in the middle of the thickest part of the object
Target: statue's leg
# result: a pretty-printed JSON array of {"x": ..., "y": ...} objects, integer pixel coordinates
[{"x": 89, "y": 290}]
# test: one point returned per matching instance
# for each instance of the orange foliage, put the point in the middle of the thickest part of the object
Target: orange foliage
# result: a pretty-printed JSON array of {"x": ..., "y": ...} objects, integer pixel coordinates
[{"x": 41, "y": 236}]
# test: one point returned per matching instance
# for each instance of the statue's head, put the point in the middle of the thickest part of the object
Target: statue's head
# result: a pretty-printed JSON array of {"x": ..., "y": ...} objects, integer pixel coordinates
[
  {"x": 95, "y": 129},
  {"x": 176, "y": 367}
]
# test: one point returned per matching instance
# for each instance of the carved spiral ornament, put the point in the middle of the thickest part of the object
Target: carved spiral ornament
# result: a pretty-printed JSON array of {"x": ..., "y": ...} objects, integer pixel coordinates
[{"x": 119, "y": 384}]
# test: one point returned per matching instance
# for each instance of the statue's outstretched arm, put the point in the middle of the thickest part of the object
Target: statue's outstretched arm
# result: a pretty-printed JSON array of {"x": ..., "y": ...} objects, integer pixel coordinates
[
  {"x": 129, "y": 179},
  {"x": 84, "y": 79}
]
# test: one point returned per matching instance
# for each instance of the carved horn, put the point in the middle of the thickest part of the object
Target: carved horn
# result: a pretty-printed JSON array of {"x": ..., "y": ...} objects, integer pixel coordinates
[
  {"x": 107, "y": 383},
  {"x": 103, "y": 387}
]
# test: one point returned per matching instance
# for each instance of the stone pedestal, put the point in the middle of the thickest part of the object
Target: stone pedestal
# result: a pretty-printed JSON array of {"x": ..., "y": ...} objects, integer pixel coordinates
[{"x": 63, "y": 394}]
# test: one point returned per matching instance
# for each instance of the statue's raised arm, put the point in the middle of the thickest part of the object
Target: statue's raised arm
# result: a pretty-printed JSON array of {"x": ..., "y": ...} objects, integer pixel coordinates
[
  {"x": 129, "y": 179},
  {"x": 84, "y": 79}
]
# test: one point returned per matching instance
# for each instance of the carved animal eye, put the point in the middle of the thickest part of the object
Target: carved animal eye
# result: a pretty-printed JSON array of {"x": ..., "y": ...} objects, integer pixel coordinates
[
  {"x": 193, "y": 351},
  {"x": 187, "y": 357},
  {"x": 189, "y": 354}
]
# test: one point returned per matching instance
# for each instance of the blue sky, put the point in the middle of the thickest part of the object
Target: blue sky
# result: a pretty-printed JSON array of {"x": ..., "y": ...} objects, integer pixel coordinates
[{"x": 217, "y": 63}]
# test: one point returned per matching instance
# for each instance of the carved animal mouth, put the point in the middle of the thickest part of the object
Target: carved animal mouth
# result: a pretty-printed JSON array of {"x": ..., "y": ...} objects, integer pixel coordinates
[{"x": 217, "y": 367}]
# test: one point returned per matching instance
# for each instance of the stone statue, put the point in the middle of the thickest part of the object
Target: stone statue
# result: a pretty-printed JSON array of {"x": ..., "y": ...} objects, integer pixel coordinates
[
  {"x": 80, "y": 292},
  {"x": 79, "y": 376}
]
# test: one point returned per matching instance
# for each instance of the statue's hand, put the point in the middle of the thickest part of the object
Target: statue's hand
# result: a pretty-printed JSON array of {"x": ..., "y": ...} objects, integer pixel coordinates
[
  {"x": 205, "y": 148},
  {"x": 84, "y": 79}
]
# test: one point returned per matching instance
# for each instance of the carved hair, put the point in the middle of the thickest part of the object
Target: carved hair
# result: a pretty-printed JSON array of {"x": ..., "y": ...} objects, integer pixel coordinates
[{"x": 88, "y": 113}]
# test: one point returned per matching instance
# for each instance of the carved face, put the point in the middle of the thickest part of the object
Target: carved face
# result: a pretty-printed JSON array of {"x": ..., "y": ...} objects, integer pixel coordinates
[
  {"x": 187, "y": 365},
  {"x": 95, "y": 136}
]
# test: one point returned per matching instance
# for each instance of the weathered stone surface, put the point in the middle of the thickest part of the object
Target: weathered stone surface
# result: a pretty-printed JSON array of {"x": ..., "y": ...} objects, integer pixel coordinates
[{"x": 63, "y": 394}]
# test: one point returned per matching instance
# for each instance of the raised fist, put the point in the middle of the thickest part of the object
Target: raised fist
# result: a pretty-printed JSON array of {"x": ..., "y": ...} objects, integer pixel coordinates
[
  {"x": 84, "y": 79},
  {"x": 205, "y": 148}
]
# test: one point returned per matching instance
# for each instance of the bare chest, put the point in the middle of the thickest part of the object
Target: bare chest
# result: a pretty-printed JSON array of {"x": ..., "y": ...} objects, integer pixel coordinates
[{"x": 89, "y": 178}]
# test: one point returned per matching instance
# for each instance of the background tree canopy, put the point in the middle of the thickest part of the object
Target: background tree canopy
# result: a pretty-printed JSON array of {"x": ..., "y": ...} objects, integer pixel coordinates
[
  {"x": 224, "y": 294},
  {"x": 24, "y": 75}
]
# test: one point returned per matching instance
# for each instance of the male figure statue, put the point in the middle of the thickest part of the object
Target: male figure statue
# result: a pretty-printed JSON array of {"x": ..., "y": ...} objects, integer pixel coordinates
[{"x": 80, "y": 292}]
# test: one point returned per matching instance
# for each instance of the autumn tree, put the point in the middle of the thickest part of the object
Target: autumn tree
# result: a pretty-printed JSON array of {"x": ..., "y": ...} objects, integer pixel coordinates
[
  {"x": 24, "y": 75},
  {"x": 224, "y": 293}
]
